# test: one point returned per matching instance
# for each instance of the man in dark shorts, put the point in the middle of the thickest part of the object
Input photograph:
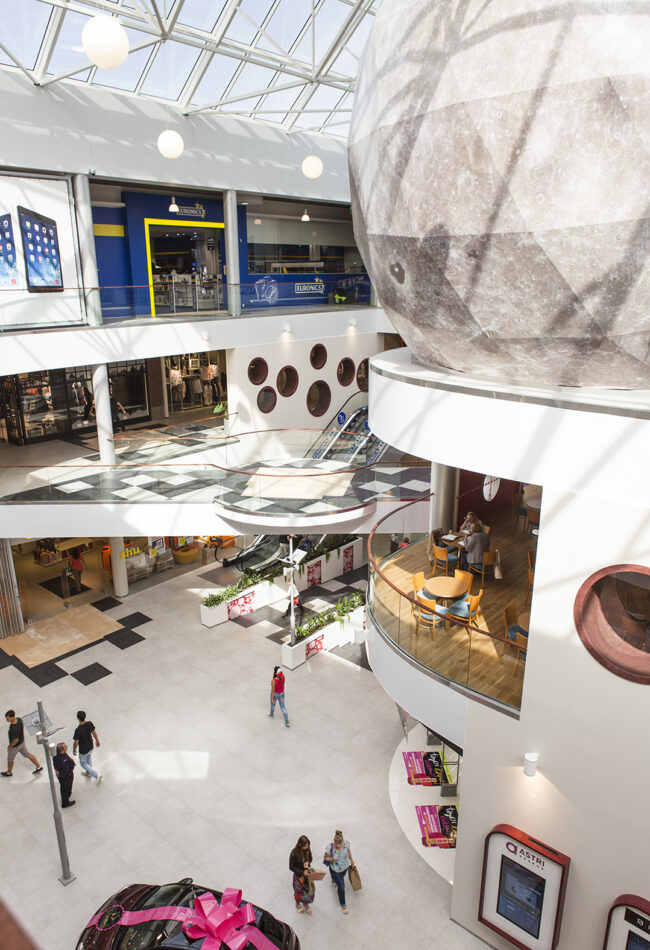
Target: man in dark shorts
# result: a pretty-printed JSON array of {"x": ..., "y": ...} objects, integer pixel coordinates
[
  {"x": 64, "y": 767},
  {"x": 83, "y": 740},
  {"x": 17, "y": 744}
]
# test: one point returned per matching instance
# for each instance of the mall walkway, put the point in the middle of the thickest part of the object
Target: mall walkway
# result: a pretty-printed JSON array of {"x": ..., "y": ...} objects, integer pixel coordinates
[{"x": 199, "y": 782}]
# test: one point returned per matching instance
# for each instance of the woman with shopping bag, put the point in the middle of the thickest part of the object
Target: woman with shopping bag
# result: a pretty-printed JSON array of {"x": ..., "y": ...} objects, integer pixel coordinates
[
  {"x": 338, "y": 858},
  {"x": 300, "y": 863}
]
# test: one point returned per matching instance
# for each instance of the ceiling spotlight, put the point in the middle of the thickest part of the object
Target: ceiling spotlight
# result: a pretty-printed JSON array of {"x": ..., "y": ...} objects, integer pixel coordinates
[
  {"x": 530, "y": 763},
  {"x": 287, "y": 328},
  {"x": 170, "y": 144},
  {"x": 257, "y": 221},
  {"x": 305, "y": 216},
  {"x": 173, "y": 208},
  {"x": 312, "y": 166},
  {"x": 104, "y": 41}
]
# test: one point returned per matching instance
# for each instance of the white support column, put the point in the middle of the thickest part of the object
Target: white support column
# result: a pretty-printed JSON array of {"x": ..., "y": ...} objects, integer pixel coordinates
[
  {"x": 232, "y": 252},
  {"x": 101, "y": 393},
  {"x": 118, "y": 567},
  {"x": 164, "y": 388},
  {"x": 11, "y": 614},
  {"x": 89, "y": 273},
  {"x": 443, "y": 504}
]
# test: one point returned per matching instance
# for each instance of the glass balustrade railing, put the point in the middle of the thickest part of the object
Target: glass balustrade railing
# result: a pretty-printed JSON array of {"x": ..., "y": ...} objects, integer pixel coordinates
[
  {"x": 184, "y": 297},
  {"x": 473, "y": 653},
  {"x": 269, "y": 473}
]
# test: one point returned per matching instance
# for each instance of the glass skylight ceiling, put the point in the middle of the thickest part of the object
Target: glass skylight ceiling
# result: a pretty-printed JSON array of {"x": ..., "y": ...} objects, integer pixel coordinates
[{"x": 290, "y": 62}]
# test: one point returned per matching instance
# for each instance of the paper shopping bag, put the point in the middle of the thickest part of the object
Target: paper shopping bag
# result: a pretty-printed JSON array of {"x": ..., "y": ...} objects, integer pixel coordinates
[{"x": 355, "y": 879}]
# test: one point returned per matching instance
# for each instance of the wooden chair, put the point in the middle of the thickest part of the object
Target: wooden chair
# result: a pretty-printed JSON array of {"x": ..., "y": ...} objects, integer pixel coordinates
[
  {"x": 443, "y": 558},
  {"x": 418, "y": 585},
  {"x": 465, "y": 609},
  {"x": 529, "y": 589},
  {"x": 532, "y": 519},
  {"x": 531, "y": 560},
  {"x": 509, "y": 618},
  {"x": 425, "y": 614},
  {"x": 489, "y": 560},
  {"x": 522, "y": 647},
  {"x": 518, "y": 508},
  {"x": 467, "y": 576}
]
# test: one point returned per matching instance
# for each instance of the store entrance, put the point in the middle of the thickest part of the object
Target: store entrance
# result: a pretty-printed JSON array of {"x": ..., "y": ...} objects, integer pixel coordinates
[{"x": 186, "y": 267}]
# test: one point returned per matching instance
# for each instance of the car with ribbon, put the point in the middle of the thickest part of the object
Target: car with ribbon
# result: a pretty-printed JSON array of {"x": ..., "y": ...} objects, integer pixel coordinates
[{"x": 182, "y": 915}]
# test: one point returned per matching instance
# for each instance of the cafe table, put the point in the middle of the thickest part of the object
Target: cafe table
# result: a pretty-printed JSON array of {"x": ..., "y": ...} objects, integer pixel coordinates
[{"x": 445, "y": 588}]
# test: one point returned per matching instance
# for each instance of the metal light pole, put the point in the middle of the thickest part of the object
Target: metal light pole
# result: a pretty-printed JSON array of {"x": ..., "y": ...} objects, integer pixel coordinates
[
  {"x": 43, "y": 739},
  {"x": 292, "y": 595}
]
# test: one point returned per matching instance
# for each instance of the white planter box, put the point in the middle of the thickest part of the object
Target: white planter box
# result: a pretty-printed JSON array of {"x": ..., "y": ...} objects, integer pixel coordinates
[
  {"x": 335, "y": 634},
  {"x": 211, "y": 616}
]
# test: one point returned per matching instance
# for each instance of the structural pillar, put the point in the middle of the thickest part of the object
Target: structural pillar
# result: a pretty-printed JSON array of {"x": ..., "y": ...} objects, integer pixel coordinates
[
  {"x": 164, "y": 388},
  {"x": 118, "y": 567},
  {"x": 89, "y": 273},
  {"x": 102, "y": 396},
  {"x": 444, "y": 485},
  {"x": 232, "y": 252},
  {"x": 11, "y": 613}
]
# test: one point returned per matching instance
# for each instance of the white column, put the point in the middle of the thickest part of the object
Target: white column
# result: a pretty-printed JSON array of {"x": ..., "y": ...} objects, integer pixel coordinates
[
  {"x": 89, "y": 273},
  {"x": 443, "y": 503},
  {"x": 164, "y": 387},
  {"x": 11, "y": 614},
  {"x": 101, "y": 393},
  {"x": 118, "y": 567},
  {"x": 232, "y": 252}
]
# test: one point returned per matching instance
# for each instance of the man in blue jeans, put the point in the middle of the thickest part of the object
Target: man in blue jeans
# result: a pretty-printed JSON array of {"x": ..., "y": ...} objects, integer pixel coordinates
[{"x": 83, "y": 740}]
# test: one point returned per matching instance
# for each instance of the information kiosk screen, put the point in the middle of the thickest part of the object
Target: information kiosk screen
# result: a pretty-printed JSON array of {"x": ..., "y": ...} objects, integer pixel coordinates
[
  {"x": 636, "y": 942},
  {"x": 520, "y": 896}
]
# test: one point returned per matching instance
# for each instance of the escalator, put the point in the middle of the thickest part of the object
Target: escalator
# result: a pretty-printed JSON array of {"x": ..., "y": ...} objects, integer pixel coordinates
[{"x": 347, "y": 442}]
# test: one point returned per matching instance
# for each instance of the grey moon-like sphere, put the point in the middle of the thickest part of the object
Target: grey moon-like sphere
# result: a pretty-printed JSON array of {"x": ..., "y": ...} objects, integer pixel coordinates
[{"x": 499, "y": 161}]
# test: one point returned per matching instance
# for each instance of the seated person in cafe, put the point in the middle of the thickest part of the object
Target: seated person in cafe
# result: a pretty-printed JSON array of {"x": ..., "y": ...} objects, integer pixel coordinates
[
  {"x": 471, "y": 518},
  {"x": 476, "y": 544}
]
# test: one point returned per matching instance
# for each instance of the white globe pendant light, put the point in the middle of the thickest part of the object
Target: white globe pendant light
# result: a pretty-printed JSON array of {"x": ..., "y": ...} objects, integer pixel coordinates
[
  {"x": 312, "y": 167},
  {"x": 105, "y": 42},
  {"x": 170, "y": 144}
]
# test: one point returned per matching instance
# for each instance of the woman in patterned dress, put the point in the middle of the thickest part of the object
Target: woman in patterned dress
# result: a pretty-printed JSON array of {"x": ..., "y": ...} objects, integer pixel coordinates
[{"x": 300, "y": 863}]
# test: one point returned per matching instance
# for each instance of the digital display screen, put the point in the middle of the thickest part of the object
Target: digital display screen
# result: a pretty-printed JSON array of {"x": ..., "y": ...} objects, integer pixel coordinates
[
  {"x": 8, "y": 262},
  {"x": 41, "y": 249},
  {"x": 521, "y": 896},
  {"x": 636, "y": 942}
]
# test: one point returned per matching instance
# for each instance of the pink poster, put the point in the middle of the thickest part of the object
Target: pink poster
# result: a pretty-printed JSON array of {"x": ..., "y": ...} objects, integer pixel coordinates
[
  {"x": 348, "y": 559},
  {"x": 314, "y": 646},
  {"x": 314, "y": 573},
  {"x": 243, "y": 605}
]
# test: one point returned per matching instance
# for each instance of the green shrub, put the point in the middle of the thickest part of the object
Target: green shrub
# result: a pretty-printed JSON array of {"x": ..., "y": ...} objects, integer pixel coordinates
[
  {"x": 227, "y": 593},
  {"x": 343, "y": 608}
]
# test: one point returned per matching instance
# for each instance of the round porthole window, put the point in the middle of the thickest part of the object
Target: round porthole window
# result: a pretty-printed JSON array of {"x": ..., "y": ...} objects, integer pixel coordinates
[
  {"x": 266, "y": 399},
  {"x": 362, "y": 376},
  {"x": 318, "y": 398},
  {"x": 612, "y": 617},
  {"x": 318, "y": 356},
  {"x": 345, "y": 371},
  {"x": 257, "y": 371},
  {"x": 287, "y": 381}
]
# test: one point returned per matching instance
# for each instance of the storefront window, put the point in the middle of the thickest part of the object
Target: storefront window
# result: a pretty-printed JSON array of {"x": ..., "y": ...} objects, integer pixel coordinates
[
  {"x": 195, "y": 379},
  {"x": 280, "y": 246}
]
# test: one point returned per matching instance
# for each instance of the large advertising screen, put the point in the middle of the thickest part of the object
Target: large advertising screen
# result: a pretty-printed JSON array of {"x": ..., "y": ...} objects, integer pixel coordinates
[
  {"x": 521, "y": 896},
  {"x": 40, "y": 277}
]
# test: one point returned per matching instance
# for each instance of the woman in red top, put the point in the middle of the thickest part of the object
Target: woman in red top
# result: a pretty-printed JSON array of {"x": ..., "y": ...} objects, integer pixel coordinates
[
  {"x": 76, "y": 564},
  {"x": 277, "y": 693}
]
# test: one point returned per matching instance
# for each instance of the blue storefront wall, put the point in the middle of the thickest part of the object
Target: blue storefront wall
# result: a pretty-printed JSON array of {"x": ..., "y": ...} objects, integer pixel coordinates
[
  {"x": 111, "y": 248},
  {"x": 284, "y": 290}
]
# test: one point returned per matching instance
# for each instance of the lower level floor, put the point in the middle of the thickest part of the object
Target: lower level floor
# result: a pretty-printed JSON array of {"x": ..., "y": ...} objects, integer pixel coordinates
[{"x": 198, "y": 781}]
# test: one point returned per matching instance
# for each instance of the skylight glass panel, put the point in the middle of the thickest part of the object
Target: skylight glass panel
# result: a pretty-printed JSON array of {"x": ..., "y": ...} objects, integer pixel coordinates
[
  {"x": 345, "y": 64},
  {"x": 68, "y": 52},
  {"x": 357, "y": 42},
  {"x": 342, "y": 130},
  {"x": 325, "y": 97},
  {"x": 285, "y": 25},
  {"x": 170, "y": 70},
  {"x": 243, "y": 107},
  {"x": 127, "y": 75},
  {"x": 215, "y": 80},
  {"x": 241, "y": 29},
  {"x": 251, "y": 78},
  {"x": 202, "y": 14},
  {"x": 329, "y": 20},
  {"x": 311, "y": 120},
  {"x": 24, "y": 24},
  {"x": 281, "y": 100}
]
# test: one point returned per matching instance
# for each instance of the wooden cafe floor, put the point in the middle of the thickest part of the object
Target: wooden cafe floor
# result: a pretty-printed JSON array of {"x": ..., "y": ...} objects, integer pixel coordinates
[{"x": 476, "y": 663}]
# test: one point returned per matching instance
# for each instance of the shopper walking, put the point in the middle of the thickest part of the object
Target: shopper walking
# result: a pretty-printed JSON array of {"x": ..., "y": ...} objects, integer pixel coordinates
[
  {"x": 77, "y": 565},
  {"x": 277, "y": 694},
  {"x": 339, "y": 858},
  {"x": 17, "y": 744},
  {"x": 117, "y": 411},
  {"x": 300, "y": 863},
  {"x": 64, "y": 768},
  {"x": 83, "y": 741}
]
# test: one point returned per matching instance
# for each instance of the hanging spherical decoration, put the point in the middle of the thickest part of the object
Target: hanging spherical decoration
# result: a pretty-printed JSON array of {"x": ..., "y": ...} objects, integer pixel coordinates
[
  {"x": 170, "y": 144},
  {"x": 105, "y": 42},
  {"x": 312, "y": 166}
]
